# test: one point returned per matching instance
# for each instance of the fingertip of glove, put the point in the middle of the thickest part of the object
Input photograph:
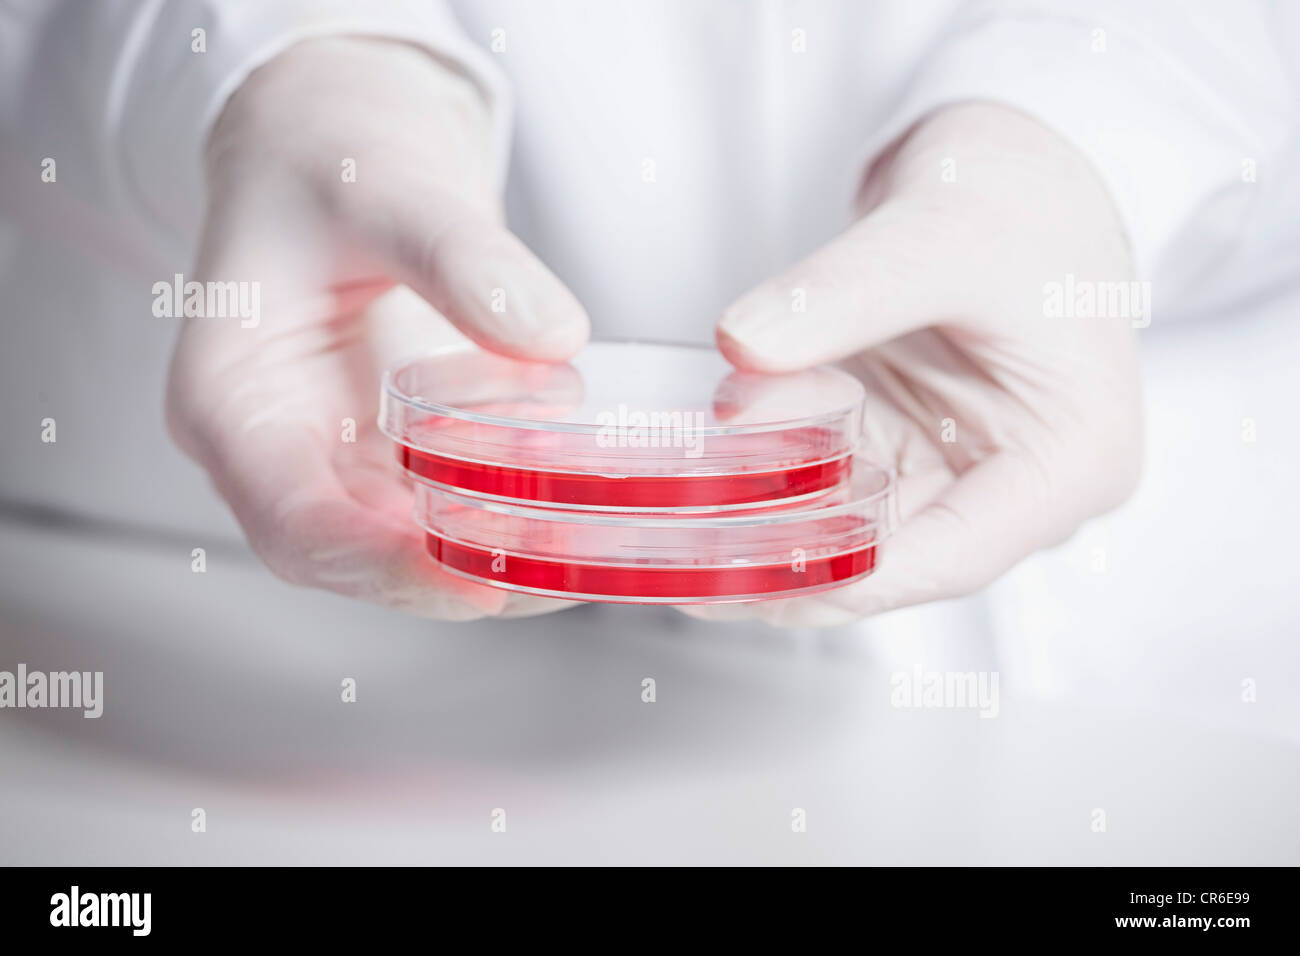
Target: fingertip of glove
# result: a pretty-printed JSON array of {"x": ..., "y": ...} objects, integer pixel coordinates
[{"x": 748, "y": 351}]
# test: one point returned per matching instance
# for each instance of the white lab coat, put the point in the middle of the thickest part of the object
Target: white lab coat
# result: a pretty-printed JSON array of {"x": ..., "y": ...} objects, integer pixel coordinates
[{"x": 666, "y": 155}]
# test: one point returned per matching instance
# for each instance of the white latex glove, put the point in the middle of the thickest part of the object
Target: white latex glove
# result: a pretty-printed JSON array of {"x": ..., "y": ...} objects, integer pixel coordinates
[
  {"x": 936, "y": 298},
  {"x": 263, "y": 409}
]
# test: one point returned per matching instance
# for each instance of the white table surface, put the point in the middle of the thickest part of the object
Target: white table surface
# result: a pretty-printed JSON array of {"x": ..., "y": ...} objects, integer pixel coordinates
[{"x": 222, "y": 691}]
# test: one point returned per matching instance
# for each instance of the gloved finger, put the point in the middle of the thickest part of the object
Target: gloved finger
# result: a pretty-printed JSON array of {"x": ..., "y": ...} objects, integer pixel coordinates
[
  {"x": 487, "y": 383},
  {"x": 718, "y": 613},
  {"x": 919, "y": 485},
  {"x": 889, "y": 438},
  {"x": 469, "y": 267},
  {"x": 889, "y": 274},
  {"x": 744, "y": 398},
  {"x": 930, "y": 252},
  {"x": 311, "y": 530},
  {"x": 980, "y": 526}
]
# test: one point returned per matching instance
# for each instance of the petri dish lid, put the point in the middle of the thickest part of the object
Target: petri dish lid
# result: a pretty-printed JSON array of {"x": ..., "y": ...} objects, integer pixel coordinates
[
  {"x": 623, "y": 425},
  {"x": 753, "y": 554}
]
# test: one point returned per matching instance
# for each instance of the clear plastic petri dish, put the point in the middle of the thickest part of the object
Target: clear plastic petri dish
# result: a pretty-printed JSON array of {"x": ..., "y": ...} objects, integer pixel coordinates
[
  {"x": 654, "y": 558},
  {"x": 623, "y": 426}
]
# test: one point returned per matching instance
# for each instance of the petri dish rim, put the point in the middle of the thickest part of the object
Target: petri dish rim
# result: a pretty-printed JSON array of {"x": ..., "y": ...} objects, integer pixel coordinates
[
  {"x": 699, "y": 599},
  {"x": 756, "y": 516},
  {"x": 393, "y": 392}
]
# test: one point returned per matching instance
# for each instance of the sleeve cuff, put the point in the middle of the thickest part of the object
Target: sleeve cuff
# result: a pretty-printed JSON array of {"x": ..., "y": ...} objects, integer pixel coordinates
[
  {"x": 176, "y": 96},
  {"x": 1159, "y": 139}
]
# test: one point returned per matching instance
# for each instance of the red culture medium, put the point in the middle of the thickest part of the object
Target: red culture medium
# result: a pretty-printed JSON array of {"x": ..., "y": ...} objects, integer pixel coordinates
[
  {"x": 639, "y": 585},
  {"x": 638, "y": 473},
  {"x": 631, "y": 492},
  {"x": 623, "y": 426}
]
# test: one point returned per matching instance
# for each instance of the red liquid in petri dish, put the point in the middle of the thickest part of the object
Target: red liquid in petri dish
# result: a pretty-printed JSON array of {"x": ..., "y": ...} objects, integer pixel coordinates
[
  {"x": 631, "y": 492},
  {"x": 647, "y": 585},
  {"x": 638, "y": 473},
  {"x": 623, "y": 427}
]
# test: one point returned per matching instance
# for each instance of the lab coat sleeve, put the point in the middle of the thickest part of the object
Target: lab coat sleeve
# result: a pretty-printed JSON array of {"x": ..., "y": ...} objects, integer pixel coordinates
[
  {"x": 122, "y": 93},
  {"x": 1177, "y": 105}
]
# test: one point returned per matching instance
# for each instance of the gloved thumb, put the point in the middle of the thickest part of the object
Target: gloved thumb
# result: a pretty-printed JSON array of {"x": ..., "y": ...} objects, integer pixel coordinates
[{"x": 887, "y": 275}]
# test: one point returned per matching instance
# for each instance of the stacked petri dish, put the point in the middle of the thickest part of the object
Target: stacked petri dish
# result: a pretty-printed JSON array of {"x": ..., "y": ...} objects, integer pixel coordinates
[{"x": 638, "y": 473}]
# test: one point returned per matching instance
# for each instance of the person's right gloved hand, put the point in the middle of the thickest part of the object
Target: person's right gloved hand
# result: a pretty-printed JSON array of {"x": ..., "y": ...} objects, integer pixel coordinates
[{"x": 265, "y": 409}]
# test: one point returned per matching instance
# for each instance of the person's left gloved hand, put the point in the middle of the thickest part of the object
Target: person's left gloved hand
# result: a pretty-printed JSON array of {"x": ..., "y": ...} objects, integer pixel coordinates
[{"x": 1008, "y": 424}]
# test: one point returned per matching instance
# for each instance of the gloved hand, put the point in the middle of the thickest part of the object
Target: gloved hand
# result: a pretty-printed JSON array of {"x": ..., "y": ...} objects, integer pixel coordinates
[
  {"x": 1008, "y": 425},
  {"x": 265, "y": 409}
]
